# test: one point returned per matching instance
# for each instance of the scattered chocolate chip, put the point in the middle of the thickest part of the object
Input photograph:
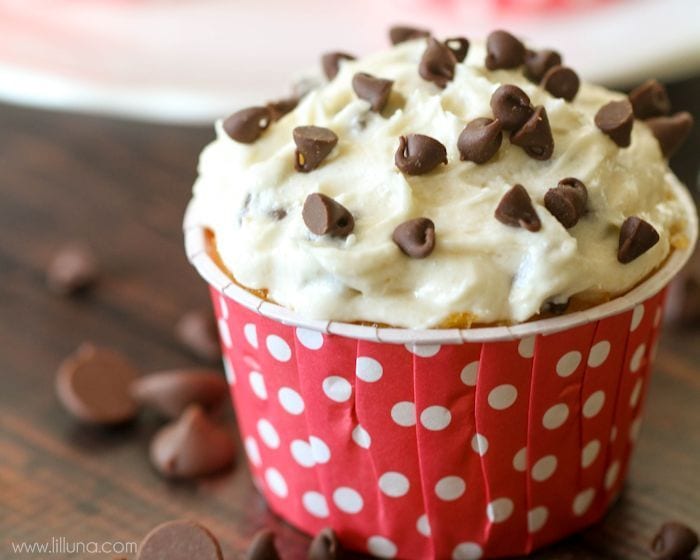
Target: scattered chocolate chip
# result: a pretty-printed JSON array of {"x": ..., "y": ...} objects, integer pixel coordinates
[
  {"x": 401, "y": 33},
  {"x": 418, "y": 154},
  {"x": 636, "y": 238},
  {"x": 72, "y": 270},
  {"x": 535, "y": 136},
  {"x": 671, "y": 131},
  {"x": 538, "y": 62},
  {"x": 180, "y": 540},
  {"x": 192, "y": 446},
  {"x": 437, "y": 64},
  {"x": 555, "y": 307},
  {"x": 171, "y": 392},
  {"x": 459, "y": 47},
  {"x": 331, "y": 63},
  {"x": 313, "y": 143},
  {"x": 480, "y": 140},
  {"x": 561, "y": 82},
  {"x": 515, "y": 209},
  {"x": 374, "y": 90},
  {"x": 650, "y": 99},
  {"x": 247, "y": 125},
  {"x": 674, "y": 541},
  {"x": 415, "y": 238},
  {"x": 281, "y": 107},
  {"x": 615, "y": 119},
  {"x": 94, "y": 385},
  {"x": 196, "y": 330},
  {"x": 567, "y": 201},
  {"x": 324, "y": 216},
  {"x": 262, "y": 547},
  {"x": 511, "y": 106},
  {"x": 503, "y": 50},
  {"x": 325, "y": 546}
]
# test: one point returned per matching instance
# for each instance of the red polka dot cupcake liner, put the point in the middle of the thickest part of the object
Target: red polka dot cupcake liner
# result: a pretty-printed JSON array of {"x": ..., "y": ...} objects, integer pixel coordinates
[{"x": 457, "y": 444}]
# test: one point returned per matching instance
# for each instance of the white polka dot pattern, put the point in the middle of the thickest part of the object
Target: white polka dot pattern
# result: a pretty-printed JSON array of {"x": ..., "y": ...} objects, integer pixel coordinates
[
  {"x": 315, "y": 503},
  {"x": 404, "y": 413},
  {"x": 555, "y": 416},
  {"x": 568, "y": 363},
  {"x": 381, "y": 547},
  {"x": 278, "y": 348},
  {"x": 499, "y": 510},
  {"x": 368, "y": 369},
  {"x": 290, "y": 400},
  {"x": 348, "y": 500},
  {"x": 225, "y": 333},
  {"x": 337, "y": 388},
  {"x": 467, "y": 551},
  {"x": 450, "y": 488},
  {"x": 435, "y": 418},
  {"x": 313, "y": 340},
  {"x": 394, "y": 484},
  {"x": 536, "y": 518},
  {"x": 502, "y": 397}
]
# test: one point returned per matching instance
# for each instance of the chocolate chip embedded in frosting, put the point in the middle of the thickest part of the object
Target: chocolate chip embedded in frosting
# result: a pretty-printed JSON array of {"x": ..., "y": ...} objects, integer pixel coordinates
[
  {"x": 325, "y": 546},
  {"x": 415, "y": 238},
  {"x": 330, "y": 62},
  {"x": 459, "y": 47},
  {"x": 511, "y": 106},
  {"x": 418, "y": 154},
  {"x": 515, "y": 209},
  {"x": 636, "y": 238},
  {"x": 615, "y": 119},
  {"x": 281, "y": 107},
  {"x": 535, "y": 136},
  {"x": 503, "y": 50},
  {"x": 671, "y": 131},
  {"x": 538, "y": 62},
  {"x": 262, "y": 547},
  {"x": 480, "y": 140},
  {"x": 401, "y": 33},
  {"x": 374, "y": 90},
  {"x": 567, "y": 201},
  {"x": 437, "y": 64},
  {"x": 247, "y": 125},
  {"x": 561, "y": 82},
  {"x": 313, "y": 143},
  {"x": 650, "y": 99},
  {"x": 674, "y": 541},
  {"x": 324, "y": 216}
]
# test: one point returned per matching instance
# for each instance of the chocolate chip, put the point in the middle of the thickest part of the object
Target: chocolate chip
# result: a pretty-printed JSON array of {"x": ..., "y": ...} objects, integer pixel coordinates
[
  {"x": 555, "y": 307},
  {"x": 94, "y": 385},
  {"x": 515, "y": 209},
  {"x": 650, "y": 99},
  {"x": 674, "y": 541},
  {"x": 281, "y": 107},
  {"x": 324, "y": 216},
  {"x": 415, "y": 238},
  {"x": 325, "y": 546},
  {"x": 615, "y": 119},
  {"x": 400, "y": 33},
  {"x": 171, "y": 392},
  {"x": 374, "y": 90},
  {"x": 437, "y": 64},
  {"x": 561, "y": 82},
  {"x": 278, "y": 214},
  {"x": 503, "y": 50},
  {"x": 72, "y": 270},
  {"x": 330, "y": 62},
  {"x": 262, "y": 547},
  {"x": 180, "y": 540},
  {"x": 313, "y": 143},
  {"x": 196, "y": 330},
  {"x": 535, "y": 136},
  {"x": 636, "y": 238},
  {"x": 247, "y": 125},
  {"x": 418, "y": 154},
  {"x": 567, "y": 201},
  {"x": 671, "y": 131},
  {"x": 480, "y": 140},
  {"x": 459, "y": 47},
  {"x": 511, "y": 106},
  {"x": 538, "y": 62},
  {"x": 192, "y": 446}
]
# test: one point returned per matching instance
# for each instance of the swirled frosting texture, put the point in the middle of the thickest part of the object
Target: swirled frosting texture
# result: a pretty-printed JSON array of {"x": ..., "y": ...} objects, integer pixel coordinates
[{"x": 479, "y": 266}]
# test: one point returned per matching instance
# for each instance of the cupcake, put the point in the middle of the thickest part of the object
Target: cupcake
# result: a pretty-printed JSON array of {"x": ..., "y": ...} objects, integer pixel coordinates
[{"x": 439, "y": 277}]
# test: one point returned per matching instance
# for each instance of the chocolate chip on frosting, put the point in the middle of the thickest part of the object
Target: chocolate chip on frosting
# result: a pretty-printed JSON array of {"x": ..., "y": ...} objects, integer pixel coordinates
[
  {"x": 262, "y": 547},
  {"x": 459, "y": 46},
  {"x": 535, "y": 136},
  {"x": 415, "y": 238},
  {"x": 515, "y": 209},
  {"x": 636, "y": 238},
  {"x": 538, "y": 62},
  {"x": 325, "y": 546},
  {"x": 480, "y": 140},
  {"x": 567, "y": 201},
  {"x": 330, "y": 62},
  {"x": 372, "y": 89},
  {"x": 650, "y": 99},
  {"x": 418, "y": 154},
  {"x": 247, "y": 125},
  {"x": 511, "y": 106},
  {"x": 401, "y": 33},
  {"x": 615, "y": 119},
  {"x": 671, "y": 131},
  {"x": 324, "y": 216},
  {"x": 503, "y": 50},
  {"x": 561, "y": 82},
  {"x": 281, "y": 107},
  {"x": 313, "y": 143},
  {"x": 674, "y": 541},
  {"x": 437, "y": 64}
]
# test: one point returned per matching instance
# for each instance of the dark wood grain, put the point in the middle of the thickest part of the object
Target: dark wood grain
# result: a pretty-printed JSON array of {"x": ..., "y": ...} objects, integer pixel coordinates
[{"x": 123, "y": 187}]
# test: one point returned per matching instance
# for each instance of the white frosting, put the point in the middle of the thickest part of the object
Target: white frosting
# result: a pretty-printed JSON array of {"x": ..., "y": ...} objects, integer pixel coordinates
[{"x": 479, "y": 265}]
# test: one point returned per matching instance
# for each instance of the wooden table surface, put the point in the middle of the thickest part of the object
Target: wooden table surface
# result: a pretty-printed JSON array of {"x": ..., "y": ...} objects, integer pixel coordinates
[{"x": 123, "y": 186}]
